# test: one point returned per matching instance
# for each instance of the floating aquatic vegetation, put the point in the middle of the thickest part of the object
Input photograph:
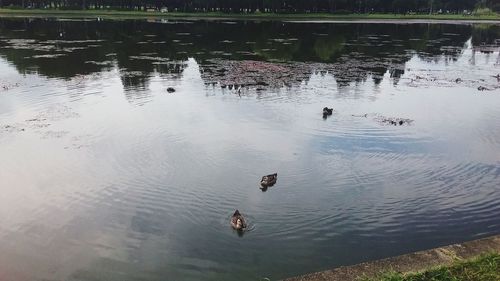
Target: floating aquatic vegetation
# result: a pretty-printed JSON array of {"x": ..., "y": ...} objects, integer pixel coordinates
[
  {"x": 71, "y": 41},
  {"x": 102, "y": 63},
  {"x": 254, "y": 74},
  {"x": 490, "y": 88},
  {"x": 37, "y": 123},
  {"x": 72, "y": 49},
  {"x": 125, "y": 72},
  {"x": 56, "y": 112},
  {"x": 393, "y": 121},
  {"x": 148, "y": 58},
  {"x": 21, "y": 41},
  {"x": 279, "y": 40},
  {"x": 54, "y": 134},
  {"x": 246, "y": 53},
  {"x": 48, "y": 56},
  {"x": 80, "y": 141},
  {"x": 8, "y": 86},
  {"x": 12, "y": 128}
]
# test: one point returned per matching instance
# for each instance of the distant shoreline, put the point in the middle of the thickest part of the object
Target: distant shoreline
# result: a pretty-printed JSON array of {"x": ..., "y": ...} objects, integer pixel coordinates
[{"x": 312, "y": 17}]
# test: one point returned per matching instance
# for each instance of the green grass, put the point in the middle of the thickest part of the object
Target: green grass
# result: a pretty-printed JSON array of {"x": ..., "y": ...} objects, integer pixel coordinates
[
  {"x": 311, "y": 16},
  {"x": 483, "y": 268}
]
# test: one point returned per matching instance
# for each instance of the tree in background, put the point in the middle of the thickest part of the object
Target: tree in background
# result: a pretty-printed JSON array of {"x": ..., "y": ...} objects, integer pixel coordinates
[{"x": 276, "y": 6}]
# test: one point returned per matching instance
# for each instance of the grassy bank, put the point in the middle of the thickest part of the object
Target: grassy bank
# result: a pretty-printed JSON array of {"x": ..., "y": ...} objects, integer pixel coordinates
[
  {"x": 216, "y": 15},
  {"x": 483, "y": 268}
]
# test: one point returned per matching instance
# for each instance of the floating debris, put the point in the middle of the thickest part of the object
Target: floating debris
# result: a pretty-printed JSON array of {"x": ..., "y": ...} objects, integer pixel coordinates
[
  {"x": 6, "y": 87},
  {"x": 393, "y": 121},
  {"x": 13, "y": 128},
  {"x": 56, "y": 112},
  {"x": 361, "y": 116},
  {"x": 80, "y": 141},
  {"x": 151, "y": 58},
  {"x": 170, "y": 90},
  {"x": 51, "y": 56},
  {"x": 54, "y": 134},
  {"x": 254, "y": 74},
  {"x": 101, "y": 63},
  {"x": 482, "y": 88}
]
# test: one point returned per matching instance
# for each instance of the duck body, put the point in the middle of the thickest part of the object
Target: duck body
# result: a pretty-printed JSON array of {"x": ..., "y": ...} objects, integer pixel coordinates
[
  {"x": 327, "y": 112},
  {"x": 268, "y": 180},
  {"x": 238, "y": 222}
]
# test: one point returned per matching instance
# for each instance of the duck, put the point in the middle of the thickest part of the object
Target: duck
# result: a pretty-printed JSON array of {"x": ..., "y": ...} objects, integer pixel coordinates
[
  {"x": 327, "y": 112},
  {"x": 237, "y": 221},
  {"x": 268, "y": 180}
]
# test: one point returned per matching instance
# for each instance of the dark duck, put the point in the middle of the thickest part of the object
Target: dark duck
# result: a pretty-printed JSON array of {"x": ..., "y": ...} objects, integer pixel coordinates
[
  {"x": 268, "y": 180},
  {"x": 327, "y": 112}
]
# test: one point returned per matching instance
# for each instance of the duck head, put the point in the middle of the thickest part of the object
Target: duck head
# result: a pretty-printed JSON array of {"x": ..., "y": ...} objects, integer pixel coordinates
[{"x": 239, "y": 224}]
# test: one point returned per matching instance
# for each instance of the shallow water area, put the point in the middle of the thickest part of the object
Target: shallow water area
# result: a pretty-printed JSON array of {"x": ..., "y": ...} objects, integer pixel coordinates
[{"x": 106, "y": 175}]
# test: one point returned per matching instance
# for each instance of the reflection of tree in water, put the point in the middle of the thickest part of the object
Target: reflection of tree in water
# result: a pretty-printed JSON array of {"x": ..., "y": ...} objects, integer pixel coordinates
[
  {"x": 351, "y": 52},
  {"x": 136, "y": 82},
  {"x": 486, "y": 35}
]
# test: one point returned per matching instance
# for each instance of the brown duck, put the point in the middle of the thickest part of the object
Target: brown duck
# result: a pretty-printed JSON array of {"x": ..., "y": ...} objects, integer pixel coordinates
[
  {"x": 237, "y": 221},
  {"x": 268, "y": 180}
]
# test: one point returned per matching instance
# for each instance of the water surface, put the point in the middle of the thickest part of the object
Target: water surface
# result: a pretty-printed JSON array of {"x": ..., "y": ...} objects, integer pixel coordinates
[{"x": 107, "y": 176}]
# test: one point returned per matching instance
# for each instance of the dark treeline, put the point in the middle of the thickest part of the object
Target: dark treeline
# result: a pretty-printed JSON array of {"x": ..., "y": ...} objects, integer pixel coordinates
[{"x": 276, "y": 6}]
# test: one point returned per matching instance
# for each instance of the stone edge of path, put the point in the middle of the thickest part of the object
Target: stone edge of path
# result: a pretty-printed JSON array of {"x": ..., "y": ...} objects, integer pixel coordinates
[{"x": 412, "y": 262}]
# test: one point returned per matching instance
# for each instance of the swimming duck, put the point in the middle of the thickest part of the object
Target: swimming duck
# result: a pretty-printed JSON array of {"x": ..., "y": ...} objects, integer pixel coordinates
[
  {"x": 268, "y": 180},
  {"x": 237, "y": 221},
  {"x": 327, "y": 112}
]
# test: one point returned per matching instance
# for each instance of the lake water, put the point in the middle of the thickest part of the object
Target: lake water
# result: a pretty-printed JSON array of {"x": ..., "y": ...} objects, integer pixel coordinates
[{"x": 104, "y": 175}]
